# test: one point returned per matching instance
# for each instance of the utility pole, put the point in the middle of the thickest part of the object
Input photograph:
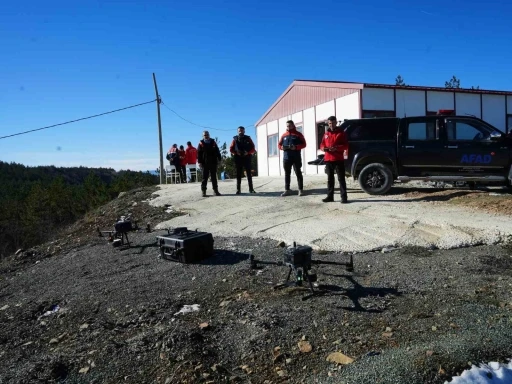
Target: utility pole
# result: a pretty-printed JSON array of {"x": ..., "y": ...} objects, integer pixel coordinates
[{"x": 158, "y": 101}]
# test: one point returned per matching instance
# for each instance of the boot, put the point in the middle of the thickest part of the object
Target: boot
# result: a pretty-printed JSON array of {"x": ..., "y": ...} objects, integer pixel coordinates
[
  {"x": 204, "y": 192},
  {"x": 252, "y": 191},
  {"x": 238, "y": 189},
  {"x": 217, "y": 193},
  {"x": 286, "y": 193},
  {"x": 301, "y": 192},
  {"x": 328, "y": 199}
]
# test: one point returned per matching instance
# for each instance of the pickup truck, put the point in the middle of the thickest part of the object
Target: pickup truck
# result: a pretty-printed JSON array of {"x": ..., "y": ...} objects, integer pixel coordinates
[{"x": 439, "y": 148}]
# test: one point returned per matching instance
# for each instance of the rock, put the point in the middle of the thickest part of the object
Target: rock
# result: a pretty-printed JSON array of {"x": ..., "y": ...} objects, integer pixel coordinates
[
  {"x": 281, "y": 373},
  {"x": 430, "y": 353},
  {"x": 305, "y": 346},
  {"x": 84, "y": 370},
  {"x": 434, "y": 328},
  {"x": 4, "y": 307},
  {"x": 121, "y": 194},
  {"x": 288, "y": 361},
  {"x": 387, "y": 334},
  {"x": 281, "y": 244},
  {"x": 134, "y": 204},
  {"x": 339, "y": 358},
  {"x": 168, "y": 380},
  {"x": 204, "y": 325},
  {"x": 19, "y": 251},
  {"x": 54, "y": 341},
  {"x": 84, "y": 326},
  {"x": 389, "y": 329},
  {"x": 224, "y": 303}
]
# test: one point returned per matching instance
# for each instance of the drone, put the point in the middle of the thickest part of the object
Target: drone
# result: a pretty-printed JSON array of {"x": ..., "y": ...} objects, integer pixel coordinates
[
  {"x": 298, "y": 260},
  {"x": 122, "y": 226}
]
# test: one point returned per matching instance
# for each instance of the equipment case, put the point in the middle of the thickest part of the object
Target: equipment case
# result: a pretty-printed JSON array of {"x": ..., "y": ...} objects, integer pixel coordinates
[{"x": 185, "y": 246}]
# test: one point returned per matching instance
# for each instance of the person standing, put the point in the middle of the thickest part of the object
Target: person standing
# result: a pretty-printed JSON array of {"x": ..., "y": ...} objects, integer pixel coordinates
[
  {"x": 191, "y": 157},
  {"x": 183, "y": 163},
  {"x": 208, "y": 156},
  {"x": 291, "y": 143},
  {"x": 174, "y": 159},
  {"x": 242, "y": 147},
  {"x": 334, "y": 142}
]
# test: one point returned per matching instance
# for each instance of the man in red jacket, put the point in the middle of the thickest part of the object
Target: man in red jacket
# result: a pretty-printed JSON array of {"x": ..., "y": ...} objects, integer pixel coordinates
[
  {"x": 334, "y": 142},
  {"x": 191, "y": 157}
]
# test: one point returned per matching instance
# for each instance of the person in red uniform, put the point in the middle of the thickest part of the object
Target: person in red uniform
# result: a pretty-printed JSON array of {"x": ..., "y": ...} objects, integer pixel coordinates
[
  {"x": 291, "y": 143},
  {"x": 334, "y": 142},
  {"x": 191, "y": 157},
  {"x": 242, "y": 148}
]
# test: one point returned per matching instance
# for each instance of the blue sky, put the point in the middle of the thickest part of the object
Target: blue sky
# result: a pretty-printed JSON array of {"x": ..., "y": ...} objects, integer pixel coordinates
[{"x": 218, "y": 63}]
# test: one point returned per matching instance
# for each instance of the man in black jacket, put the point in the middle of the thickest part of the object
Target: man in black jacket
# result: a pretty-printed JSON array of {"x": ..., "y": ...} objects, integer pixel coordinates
[
  {"x": 208, "y": 156},
  {"x": 242, "y": 148}
]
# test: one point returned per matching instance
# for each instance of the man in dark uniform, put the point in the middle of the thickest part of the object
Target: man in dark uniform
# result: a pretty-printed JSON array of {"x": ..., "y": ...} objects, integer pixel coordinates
[
  {"x": 242, "y": 147},
  {"x": 292, "y": 142},
  {"x": 334, "y": 143},
  {"x": 208, "y": 156}
]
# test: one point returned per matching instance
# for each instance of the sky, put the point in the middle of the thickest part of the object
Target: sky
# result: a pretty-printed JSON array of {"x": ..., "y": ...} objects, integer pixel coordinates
[{"x": 219, "y": 64}]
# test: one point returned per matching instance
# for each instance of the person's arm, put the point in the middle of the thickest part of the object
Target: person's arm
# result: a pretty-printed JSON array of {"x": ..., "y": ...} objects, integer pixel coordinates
[
  {"x": 219, "y": 157},
  {"x": 323, "y": 146},
  {"x": 200, "y": 155},
  {"x": 232, "y": 147},
  {"x": 280, "y": 143},
  {"x": 302, "y": 141},
  {"x": 252, "y": 147}
]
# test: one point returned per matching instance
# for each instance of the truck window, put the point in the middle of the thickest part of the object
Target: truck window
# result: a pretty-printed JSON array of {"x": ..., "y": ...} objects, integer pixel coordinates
[
  {"x": 421, "y": 130},
  {"x": 458, "y": 129},
  {"x": 372, "y": 129}
]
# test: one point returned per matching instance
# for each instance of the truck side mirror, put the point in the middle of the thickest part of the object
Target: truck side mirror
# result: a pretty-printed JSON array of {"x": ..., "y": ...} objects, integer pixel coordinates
[{"x": 495, "y": 136}]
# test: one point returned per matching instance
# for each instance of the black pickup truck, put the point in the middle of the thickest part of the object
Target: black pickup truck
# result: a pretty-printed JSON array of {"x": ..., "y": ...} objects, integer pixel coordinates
[{"x": 439, "y": 148}]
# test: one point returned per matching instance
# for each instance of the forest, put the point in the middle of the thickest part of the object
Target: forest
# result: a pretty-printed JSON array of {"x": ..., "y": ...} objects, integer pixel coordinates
[{"x": 36, "y": 202}]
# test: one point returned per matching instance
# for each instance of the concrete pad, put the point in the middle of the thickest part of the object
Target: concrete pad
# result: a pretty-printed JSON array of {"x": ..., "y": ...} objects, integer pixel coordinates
[{"x": 366, "y": 223}]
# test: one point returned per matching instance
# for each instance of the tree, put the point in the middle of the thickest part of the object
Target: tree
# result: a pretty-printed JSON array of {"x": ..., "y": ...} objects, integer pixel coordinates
[
  {"x": 453, "y": 83},
  {"x": 400, "y": 81}
]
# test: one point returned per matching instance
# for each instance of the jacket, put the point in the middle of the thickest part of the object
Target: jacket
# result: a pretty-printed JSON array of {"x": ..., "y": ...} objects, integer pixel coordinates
[
  {"x": 208, "y": 153},
  {"x": 242, "y": 144},
  {"x": 337, "y": 141},
  {"x": 183, "y": 161},
  {"x": 291, "y": 137},
  {"x": 191, "y": 155},
  {"x": 173, "y": 156}
]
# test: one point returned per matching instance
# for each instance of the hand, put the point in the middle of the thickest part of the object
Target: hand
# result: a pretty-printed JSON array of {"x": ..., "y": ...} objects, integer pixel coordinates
[
  {"x": 244, "y": 153},
  {"x": 327, "y": 149},
  {"x": 200, "y": 166},
  {"x": 292, "y": 147},
  {"x": 239, "y": 153}
]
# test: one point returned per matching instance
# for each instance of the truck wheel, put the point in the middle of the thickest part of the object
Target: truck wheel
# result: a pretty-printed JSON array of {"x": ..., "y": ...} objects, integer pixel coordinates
[{"x": 375, "y": 179}]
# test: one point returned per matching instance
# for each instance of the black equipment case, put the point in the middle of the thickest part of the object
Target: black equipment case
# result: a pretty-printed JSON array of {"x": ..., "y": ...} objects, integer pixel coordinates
[{"x": 185, "y": 246}]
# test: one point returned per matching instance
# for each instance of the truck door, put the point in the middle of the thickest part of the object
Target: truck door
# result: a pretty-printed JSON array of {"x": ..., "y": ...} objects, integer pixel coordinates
[
  {"x": 469, "y": 148},
  {"x": 420, "y": 147}
]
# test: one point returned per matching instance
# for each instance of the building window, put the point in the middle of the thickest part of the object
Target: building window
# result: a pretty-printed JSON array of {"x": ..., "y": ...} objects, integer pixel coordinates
[
  {"x": 272, "y": 146},
  {"x": 321, "y": 128},
  {"x": 372, "y": 114},
  {"x": 509, "y": 123},
  {"x": 300, "y": 128}
]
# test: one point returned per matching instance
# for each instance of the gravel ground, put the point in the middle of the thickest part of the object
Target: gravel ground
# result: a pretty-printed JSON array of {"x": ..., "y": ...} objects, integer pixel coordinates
[{"x": 406, "y": 316}]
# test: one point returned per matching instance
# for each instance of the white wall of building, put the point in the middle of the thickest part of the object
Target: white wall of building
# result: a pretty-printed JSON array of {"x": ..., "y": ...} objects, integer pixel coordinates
[
  {"x": 347, "y": 107},
  {"x": 273, "y": 162},
  {"x": 378, "y": 99},
  {"x": 323, "y": 111},
  {"x": 509, "y": 105},
  {"x": 262, "y": 150},
  {"x": 310, "y": 136},
  {"x": 439, "y": 100},
  {"x": 493, "y": 110},
  {"x": 467, "y": 103},
  {"x": 410, "y": 103}
]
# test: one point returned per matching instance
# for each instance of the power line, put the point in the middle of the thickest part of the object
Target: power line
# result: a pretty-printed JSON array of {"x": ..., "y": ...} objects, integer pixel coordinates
[
  {"x": 199, "y": 125},
  {"x": 74, "y": 121}
]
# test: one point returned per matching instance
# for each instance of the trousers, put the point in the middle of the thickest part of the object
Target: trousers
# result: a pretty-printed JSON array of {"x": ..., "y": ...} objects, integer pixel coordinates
[
  {"x": 339, "y": 167},
  {"x": 296, "y": 164}
]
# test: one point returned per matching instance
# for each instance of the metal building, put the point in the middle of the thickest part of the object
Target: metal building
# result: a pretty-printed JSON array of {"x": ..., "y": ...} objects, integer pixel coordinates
[{"x": 310, "y": 103}]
